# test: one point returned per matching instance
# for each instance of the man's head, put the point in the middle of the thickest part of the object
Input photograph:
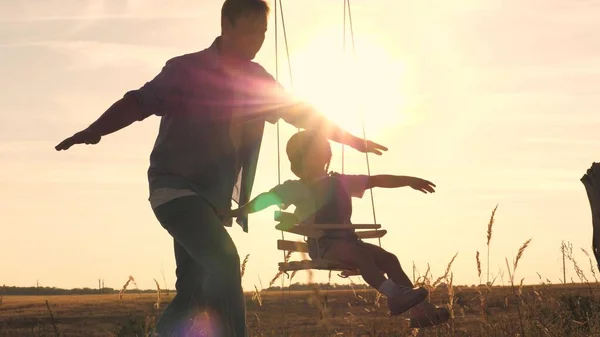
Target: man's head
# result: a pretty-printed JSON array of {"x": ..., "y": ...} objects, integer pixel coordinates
[
  {"x": 243, "y": 26},
  {"x": 309, "y": 153}
]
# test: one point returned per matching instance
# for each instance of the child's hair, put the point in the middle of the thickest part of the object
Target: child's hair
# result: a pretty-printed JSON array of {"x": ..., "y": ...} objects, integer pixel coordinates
[{"x": 307, "y": 143}]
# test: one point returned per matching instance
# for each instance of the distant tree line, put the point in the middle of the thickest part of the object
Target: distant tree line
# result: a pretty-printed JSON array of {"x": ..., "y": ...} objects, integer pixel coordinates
[
  {"x": 23, "y": 291},
  {"x": 322, "y": 286},
  {"x": 5, "y": 290}
]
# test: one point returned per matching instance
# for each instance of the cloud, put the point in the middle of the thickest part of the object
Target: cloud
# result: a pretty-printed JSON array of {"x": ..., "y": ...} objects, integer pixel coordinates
[
  {"x": 35, "y": 162},
  {"x": 27, "y": 11},
  {"x": 557, "y": 140},
  {"x": 526, "y": 34},
  {"x": 104, "y": 20},
  {"x": 95, "y": 54},
  {"x": 91, "y": 10}
]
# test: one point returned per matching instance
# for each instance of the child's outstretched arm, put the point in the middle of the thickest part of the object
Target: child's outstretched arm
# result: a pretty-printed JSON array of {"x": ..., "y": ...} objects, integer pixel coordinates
[
  {"x": 260, "y": 202},
  {"x": 392, "y": 181}
]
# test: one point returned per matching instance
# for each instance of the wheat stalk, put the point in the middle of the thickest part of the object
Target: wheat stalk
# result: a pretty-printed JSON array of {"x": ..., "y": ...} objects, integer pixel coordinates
[
  {"x": 149, "y": 322},
  {"x": 244, "y": 265},
  {"x": 257, "y": 296},
  {"x": 489, "y": 238},
  {"x": 520, "y": 254},
  {"x": 378, "y": 296},
  {"x": 450, "y": 285},
  {"x": 157, "y": 304},
  {"x": 482, "y": 305},
  {"x": 563, "y": 250},
  {"x": 445, "y": 276},
  {"x": 512, "y": 283},
  {"x": 134, "y": 283},
  {"x": 279, "y": 273},
  {"x": 162, "y": 271},
  {"x": 490, "y": 224},
  {"x": 592, "y": 269},
  {"x": 125, "y": 287},
  {"x": 578, "y": 271},
  {"x": 478, "y": 266},
  {"x": 424, "y": 280},
  {"x": 52, "y": 319}
]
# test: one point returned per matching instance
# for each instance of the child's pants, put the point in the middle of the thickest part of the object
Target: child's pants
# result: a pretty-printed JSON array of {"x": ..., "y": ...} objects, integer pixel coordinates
[{"x": 372, "y": 261}]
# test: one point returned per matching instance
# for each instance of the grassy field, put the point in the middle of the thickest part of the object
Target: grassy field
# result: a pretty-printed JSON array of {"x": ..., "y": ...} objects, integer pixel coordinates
[{"x": 542, "y": 310}]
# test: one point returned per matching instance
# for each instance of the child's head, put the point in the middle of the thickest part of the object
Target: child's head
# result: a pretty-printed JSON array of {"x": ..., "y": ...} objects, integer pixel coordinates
[{"x": 309, "y": 153}]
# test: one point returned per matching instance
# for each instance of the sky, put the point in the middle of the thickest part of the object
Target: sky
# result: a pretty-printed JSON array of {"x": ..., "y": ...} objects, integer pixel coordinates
[{"x": 493, "y": 101}]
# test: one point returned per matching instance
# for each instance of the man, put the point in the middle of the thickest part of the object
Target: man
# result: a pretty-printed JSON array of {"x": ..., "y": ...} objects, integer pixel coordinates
[{"x": 213, "y": 106}]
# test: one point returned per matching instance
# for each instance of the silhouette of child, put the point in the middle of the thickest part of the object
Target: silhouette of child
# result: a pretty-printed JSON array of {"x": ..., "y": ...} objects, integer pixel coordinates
[{"x": 325, "y": 198}]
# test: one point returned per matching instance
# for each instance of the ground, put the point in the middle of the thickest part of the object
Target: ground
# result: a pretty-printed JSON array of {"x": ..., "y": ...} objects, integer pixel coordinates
[{"x": 542, "y": 310}]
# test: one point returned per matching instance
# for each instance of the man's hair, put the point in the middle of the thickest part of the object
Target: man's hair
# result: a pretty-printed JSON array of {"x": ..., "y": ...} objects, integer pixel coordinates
[{"x": 234, "y": 9}]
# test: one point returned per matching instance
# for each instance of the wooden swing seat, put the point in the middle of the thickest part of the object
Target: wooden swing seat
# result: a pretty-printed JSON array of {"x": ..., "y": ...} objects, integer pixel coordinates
[
  {"x": 320, "y": 264},
  {"x": 288, "y": 222}
]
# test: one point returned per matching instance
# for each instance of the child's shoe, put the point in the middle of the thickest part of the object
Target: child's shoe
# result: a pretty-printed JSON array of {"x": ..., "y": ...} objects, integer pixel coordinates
[
  {"x": 426, "y": 315},
  {"x": 405, "y": 298}
]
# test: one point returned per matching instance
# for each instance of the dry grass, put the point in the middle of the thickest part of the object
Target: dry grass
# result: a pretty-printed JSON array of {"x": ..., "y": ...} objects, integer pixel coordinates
[
  {"x": 555, "y": 308},
  {"x": 489, "y": 239},
  {"x": 516, "y": 310}
]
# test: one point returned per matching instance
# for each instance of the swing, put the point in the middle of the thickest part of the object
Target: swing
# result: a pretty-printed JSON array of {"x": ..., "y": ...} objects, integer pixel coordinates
[{"x": 288, "y": 222}]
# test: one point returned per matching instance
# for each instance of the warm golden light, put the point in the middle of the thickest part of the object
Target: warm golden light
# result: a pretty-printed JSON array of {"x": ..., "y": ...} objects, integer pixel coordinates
[{"x": 345, "y": 87}]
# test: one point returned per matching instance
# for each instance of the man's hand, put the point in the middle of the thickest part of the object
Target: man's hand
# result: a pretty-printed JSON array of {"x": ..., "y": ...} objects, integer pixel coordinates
[
  {"x": 235, "y": 213},
  {"x": 228, "y": 214},
  {"x": 82, "y": 137},
  {"x": 225, "y": 216},
  {"x": 422, "y": 185},
  {"x": 368, "y": 146},
  {"x": 121, "y": 114}
]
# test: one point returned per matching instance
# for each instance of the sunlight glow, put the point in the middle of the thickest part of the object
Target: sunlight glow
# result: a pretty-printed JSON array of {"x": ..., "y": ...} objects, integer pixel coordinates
[{"x": 345, "y": 88}]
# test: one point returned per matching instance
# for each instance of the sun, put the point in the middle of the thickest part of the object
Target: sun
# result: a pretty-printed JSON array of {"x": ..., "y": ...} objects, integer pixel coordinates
[{"x": 347, "y": 88}]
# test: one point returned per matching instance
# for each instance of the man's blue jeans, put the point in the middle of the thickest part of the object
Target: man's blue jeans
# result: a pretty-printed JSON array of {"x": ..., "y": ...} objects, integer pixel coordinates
[{"x": 208, "y": 272}]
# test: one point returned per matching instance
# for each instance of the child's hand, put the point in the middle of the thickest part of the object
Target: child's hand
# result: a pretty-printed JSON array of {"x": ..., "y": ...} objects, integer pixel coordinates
[{"x": 422, "y": 185}]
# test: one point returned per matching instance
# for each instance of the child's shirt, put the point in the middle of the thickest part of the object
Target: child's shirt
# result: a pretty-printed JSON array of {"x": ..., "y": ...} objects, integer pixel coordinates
[{"x": 325, "y": 201}]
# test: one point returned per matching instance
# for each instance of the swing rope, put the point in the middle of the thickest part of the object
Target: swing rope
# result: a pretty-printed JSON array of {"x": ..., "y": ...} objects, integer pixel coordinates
[
  {"x": 289, "y": 62},
  {"x": 347, "y": 9},
  {"x": 364, "y": 132},
  {"x": 278, "y": 129},
  {"x": 344, "y": 51},
  {"x": 277, "y": 78}
]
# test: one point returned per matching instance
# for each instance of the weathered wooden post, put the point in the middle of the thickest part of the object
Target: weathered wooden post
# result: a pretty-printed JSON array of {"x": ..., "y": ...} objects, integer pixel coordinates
[{"x": 591, "y": 181}]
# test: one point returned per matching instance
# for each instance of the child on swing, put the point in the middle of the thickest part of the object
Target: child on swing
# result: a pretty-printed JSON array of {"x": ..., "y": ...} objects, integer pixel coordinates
[{"x": 325, "y": 198}]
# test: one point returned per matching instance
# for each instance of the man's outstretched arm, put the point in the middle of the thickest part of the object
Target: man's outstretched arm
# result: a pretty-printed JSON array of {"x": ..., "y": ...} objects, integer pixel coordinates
[
  {"x": 303, "y": 115},
  {"x": 157, "y": 96},
  {"x": 120, "y": 115},
  {"x": 281, "y": 104}
]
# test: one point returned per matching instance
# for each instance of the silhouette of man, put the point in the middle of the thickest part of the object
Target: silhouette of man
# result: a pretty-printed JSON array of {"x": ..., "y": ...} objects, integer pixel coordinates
[{"x": 213, "y": 106}]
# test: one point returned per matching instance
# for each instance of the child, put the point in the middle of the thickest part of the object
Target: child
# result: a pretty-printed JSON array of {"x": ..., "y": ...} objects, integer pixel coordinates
[{"x": 322, "y": 198}]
